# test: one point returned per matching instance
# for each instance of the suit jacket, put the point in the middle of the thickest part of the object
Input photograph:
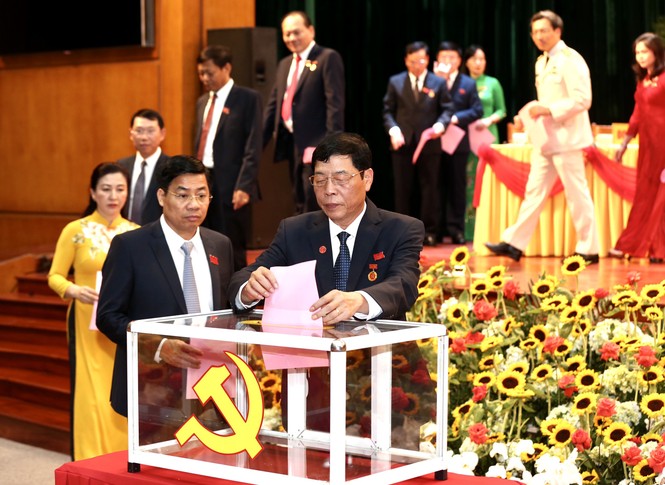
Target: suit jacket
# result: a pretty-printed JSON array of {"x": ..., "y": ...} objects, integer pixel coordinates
[
  {"x": 564, "y": 86},
  {"x": 468, "y": 107},
  {"x": 318, "y": 103},
  {"x": 140, "y": 281},
  {"x": 151, "y": 209},
  {"x": 386, "y": 239},
  {"x": 400, "y": 108},
  {"x": 236, "y": 149}
]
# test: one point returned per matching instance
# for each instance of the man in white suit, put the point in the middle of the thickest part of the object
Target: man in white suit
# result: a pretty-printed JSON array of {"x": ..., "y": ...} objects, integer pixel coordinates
[{"x": 563, "y": 83}]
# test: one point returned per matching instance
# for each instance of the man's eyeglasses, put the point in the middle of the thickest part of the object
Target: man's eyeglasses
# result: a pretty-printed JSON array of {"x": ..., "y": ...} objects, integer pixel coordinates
[
  {"x": 338, "y": 179},
  {"x": 184, "y": 198},
  {"x": 144, "y": 131}
]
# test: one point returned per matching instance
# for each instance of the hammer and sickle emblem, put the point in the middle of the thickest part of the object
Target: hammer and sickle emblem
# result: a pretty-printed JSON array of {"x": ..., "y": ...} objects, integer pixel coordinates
[{"x": 246, "y": 431}]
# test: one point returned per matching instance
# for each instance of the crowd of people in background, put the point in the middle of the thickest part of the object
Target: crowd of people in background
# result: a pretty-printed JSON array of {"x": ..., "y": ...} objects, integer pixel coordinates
[{"x": 330, "y": 173}]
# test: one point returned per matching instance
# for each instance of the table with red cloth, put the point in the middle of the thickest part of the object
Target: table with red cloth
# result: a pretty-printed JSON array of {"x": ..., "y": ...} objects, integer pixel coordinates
[
  {"x": 500, "y": 182},
  {"x": 112, "y": 469}
]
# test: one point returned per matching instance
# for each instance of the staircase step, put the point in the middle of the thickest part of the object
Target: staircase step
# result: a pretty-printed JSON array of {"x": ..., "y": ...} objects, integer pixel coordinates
[
  {"x": 39, "y": 306},
  {"x": 33, "y": 330},
  {"x": 34, "y": 387},
  {"x": 34, "y": 284},
  {"x": 33, "y": 424},
  {"x": 50, "y": 359}
]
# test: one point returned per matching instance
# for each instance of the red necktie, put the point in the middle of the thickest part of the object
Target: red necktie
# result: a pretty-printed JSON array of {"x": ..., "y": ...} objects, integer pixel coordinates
[
  {"x": 206, "y": 129},
  {"x": 290, "y": 91}
]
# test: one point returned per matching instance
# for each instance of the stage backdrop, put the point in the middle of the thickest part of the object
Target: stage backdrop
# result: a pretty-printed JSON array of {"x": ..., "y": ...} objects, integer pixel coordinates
[{"x": 371, "y": 36}]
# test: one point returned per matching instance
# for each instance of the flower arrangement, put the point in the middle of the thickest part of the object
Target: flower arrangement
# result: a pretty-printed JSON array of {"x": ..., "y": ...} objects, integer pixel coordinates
[{"x": 550, "y": 385}]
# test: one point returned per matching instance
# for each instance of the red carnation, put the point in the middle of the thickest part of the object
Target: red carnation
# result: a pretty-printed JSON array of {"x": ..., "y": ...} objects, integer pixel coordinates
[
  {"x": 479, "y": 393},
  {"x": 458, "y": 345},
  {"x": 484, "y": 311},
  {"x": 567, "y": 384},
  {"x": 581, "y": 440},
  {"x": 632, "y": 456},
  {"x": 633, "y": 277},
  {"x": 478, "y": 433},
  {"x": 646, "y": 357},
  {"x": 474, "y": 337},
  {"x": 511, "y": 289},
  {"x": 400, "y": 399},
  {"x": 601, "y": 293},
  {"x": 606, "y": 407},
  {"x": 552, "y": 343},
  {"x": 610, "y": 350},
  {"x": 421, "y": 377}
]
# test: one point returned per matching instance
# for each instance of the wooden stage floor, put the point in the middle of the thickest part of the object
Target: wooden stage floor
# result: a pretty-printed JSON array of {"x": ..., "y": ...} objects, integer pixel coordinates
[{"x": 607, "y": 273}]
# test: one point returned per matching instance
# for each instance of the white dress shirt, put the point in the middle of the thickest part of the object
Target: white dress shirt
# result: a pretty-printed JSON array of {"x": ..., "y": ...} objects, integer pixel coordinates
[
  {"x": 222, "y": 95},
  {"x": 151, "y": 161}
]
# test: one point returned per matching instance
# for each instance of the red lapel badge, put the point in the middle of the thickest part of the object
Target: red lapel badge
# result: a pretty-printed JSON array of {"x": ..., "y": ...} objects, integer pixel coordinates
[
  {"x": 372, "y": 276},
  {"x": 378, "y": 256},
  {"x": 322, "y": 250},
  {"x": 213, "y": 260},
  {"x": 226, "y": 110}
]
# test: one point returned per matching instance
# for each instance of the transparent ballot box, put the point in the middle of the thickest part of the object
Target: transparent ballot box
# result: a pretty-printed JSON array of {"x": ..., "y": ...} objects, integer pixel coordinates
[{"x": 355, "y": 402}]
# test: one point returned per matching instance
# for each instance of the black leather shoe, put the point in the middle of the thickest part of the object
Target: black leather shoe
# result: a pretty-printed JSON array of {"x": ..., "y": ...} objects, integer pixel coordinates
[
  {"x": 504, "y": 249},
  {"x": 458, "y": 238},
  {"x": 588, "y": 258},
  {"x": 656, "y": 260},
  {"x": 430, "y": 240}
]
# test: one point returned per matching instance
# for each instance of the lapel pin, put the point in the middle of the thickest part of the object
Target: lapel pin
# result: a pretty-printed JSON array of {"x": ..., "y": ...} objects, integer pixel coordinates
[
  {"x": 322, "y": 250},
  {"x": 372, "y": 276}
]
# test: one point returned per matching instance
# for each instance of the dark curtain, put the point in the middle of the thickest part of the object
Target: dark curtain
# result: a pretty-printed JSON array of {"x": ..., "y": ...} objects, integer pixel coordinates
[{"x": 371, "y": 36}]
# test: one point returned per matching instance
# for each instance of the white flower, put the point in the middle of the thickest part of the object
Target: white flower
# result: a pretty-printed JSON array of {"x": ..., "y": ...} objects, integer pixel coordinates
[
  {"x": 499, "y": 451},
  {"x": 628, "y": 412},
  {"x": 515, "y": 463},
  {"x": 497, "y": 471},
  {"x": 522, "y": 446},
  {"x": 552, "y": 471},
  {"x": 462, "y": 464}
]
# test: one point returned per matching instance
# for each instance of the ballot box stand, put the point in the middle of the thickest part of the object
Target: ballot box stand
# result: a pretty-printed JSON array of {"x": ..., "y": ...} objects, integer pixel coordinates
[{"x": 217, "y": 428}]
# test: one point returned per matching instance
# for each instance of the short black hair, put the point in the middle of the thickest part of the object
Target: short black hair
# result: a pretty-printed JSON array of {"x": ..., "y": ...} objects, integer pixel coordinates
[
  {"x": 180, "y": 165},
  {"x": 306, "y": 20},
  {"x": 415, "y": 47},
  {"x": 447, "y": 45},
  {"x": 149, "y": 114},
  {"x": 344, "y": 144},
  {"x": 555, "y": 20},
  {"x": 220, "y": 55}
]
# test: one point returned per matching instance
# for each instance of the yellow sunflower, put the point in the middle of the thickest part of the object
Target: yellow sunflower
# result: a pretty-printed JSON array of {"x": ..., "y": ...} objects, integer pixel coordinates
[
  {"x": 495, "y": 437},
  {"x": 538, "y": 450},
  {"x": 463, "y": 409},
  {"x": 561, "y": 434},
  {"x": 650, "y": 376},
  {"x": 522, "y": 367},
  {"x": 366, "y": 393},
  {"x": 510, "y": 380},
  {"x": 457, "y": 313},
  {"x": 590, "y": 478},
  {"x": 584, "y": 403},
  {"x": 573, "y": 265},
  {"x": 452, "y": 370},
  {"x": 601, "y": 423},
  {"x": 454, "y": 428},
  {"x": 553, "y": 303},
  {"x": 626, "y": 300},
  {"x": 399, "y": 361},
  {"x": 643, "y": 471},
  {"x": 653, "y": 405},
  {"x": 270, "y": 381},
  {"x": 487, "y": 363},
  {"x": 490, "y": 342},
  {"x": 543, "y": 288},
  {"x": 585, "y": 300},
  {"x": 425, "y": 281},
  {"x": 530, "y": 344},
  {"x": 484, "y": 378},
  {"x": 542, "y": 373},
  {"x": 563, "y": 349},
  {"x": 460, "y": 256},
  {"x": 583, "y": 326},
  {"x": 653, "y": 314},
  {"x": 570, "y": 314},
  {"x": 413, "y": 407},
  {"x": 617, "y": 433},
  {"x": 575, "y": 364},
  {"x": 652, "y": 438},
  {"x": 497, "y": 282},
  {"x": 539, "y": 332},
  {"x": 427, "y": 294},
  {"x": 437, "y": 266},
  {"x": 354, "y": 358},
  {"x": 652, "y": 293},
  {"x": 548, "y": 425},
  {"x": 480, "y": 287},
  {"x": 587, "y": 380},
  {"x": 508, "y": 324},
  {"x": 495, "y": 271},
  {"x": 520, "y": 393}
]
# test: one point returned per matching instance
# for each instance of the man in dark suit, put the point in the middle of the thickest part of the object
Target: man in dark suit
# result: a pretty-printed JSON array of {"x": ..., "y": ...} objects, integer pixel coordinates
[
  {"x": 147, "y": 133},
  {"x": 382, "y": 248},
  {"x": 468, "y": 109},
  {"x": 300, "y": 114},
  {"x": 228, "y": 142},
  {"x": 144, "y": 272},
  {"x": 415, "y": 101}
]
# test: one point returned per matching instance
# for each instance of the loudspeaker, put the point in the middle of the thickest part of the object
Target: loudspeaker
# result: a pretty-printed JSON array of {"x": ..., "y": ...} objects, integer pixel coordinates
[{"x": 254, "y": 65}]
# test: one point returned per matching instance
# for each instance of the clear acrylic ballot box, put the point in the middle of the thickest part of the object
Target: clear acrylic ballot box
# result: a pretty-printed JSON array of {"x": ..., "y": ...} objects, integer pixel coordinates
[{"x": 355, "y": 402}]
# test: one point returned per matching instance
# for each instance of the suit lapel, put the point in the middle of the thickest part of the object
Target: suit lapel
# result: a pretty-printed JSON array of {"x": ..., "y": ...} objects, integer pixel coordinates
[
  {"x": 313, "y": 55},
  {"x": 368, "y": 232},
  {"x": 165, "y": 261},
  {"x": 407, "y": 89},
  {"x": 213, "y": 266}
]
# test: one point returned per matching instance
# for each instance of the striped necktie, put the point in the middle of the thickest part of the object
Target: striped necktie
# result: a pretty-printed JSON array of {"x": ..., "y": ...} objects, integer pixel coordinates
[
  {"x": 188, "y": 281},
  {"x": 343, "y": 263}
]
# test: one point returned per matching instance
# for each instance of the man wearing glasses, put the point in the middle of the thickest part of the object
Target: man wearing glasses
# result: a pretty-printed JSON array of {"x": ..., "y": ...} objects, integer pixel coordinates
[
  {"x": 168, "y": 267},
  {"x": 147, "y": 133},
  {"x": 416, "y": 100},
  {"x": 381, "y": 248}
]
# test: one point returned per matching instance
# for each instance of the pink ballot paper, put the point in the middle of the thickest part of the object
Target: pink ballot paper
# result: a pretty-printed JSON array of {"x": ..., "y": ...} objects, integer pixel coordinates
[
  {"x": 451, "y": 138},
  {"x": 307, "y": 155},
  {"x": 286, "y": 311},
  {"x": 424, "y": 138},
  {"x": 98, "y": 286},
  {"x": 213, "y": 355},
  {"x": 479, "y": 135}
]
